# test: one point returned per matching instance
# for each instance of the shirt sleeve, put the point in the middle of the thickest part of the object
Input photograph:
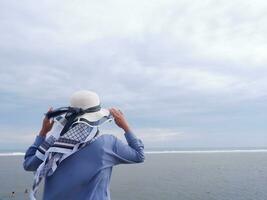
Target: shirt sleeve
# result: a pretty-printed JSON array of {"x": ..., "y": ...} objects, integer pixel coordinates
[
  {"x": 122, "y": 153},
  {"x": 31, "y": 161}
]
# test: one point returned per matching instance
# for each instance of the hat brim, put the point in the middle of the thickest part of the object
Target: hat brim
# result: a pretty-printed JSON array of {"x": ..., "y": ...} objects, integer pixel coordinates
[{"x": 95, "y": 116}]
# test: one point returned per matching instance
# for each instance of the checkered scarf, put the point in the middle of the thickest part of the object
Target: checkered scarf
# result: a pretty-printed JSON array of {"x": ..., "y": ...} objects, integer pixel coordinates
[{"x": 56, "y": 148}]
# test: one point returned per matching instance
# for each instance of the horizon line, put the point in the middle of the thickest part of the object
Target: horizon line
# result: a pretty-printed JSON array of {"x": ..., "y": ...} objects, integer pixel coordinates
[{"x": 172, "y": 152}]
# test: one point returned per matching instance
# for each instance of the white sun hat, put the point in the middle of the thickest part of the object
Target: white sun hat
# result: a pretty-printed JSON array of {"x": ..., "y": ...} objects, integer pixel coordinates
[{"x": 86, "y": 99}]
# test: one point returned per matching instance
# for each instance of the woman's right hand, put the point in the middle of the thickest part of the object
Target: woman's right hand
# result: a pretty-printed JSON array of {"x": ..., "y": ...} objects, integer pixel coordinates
[{"x": 120, "y": 119}]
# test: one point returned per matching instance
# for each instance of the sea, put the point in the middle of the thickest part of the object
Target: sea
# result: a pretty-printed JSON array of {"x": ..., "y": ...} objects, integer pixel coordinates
[{"x": 166, "y": 175}]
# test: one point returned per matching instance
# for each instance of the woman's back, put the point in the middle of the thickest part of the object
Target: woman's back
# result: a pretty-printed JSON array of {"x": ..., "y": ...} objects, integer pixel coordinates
[{"x": 86, "y": 174}]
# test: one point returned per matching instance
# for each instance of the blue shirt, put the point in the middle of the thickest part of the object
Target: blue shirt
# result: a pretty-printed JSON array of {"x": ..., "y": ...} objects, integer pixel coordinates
[{"x": 85, "y": 175}]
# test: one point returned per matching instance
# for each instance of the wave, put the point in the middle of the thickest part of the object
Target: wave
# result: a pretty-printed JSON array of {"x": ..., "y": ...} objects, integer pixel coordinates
[
  {"x": 207, "y": 151},
  {"x": 170, "y": 152},
  {"x": 12, "y": 154}
]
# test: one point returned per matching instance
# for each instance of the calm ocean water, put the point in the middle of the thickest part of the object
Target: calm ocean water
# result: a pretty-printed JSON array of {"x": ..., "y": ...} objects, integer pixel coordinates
[{"x": 170, "y": 176}]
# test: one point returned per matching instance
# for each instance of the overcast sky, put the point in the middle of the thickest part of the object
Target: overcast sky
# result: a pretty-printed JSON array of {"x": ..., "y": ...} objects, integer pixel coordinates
[{"x": 186, "y": 73}]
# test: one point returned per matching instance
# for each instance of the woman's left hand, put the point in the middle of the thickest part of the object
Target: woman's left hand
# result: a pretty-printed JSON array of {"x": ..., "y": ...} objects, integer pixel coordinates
[{"x": 47, "y": 125}]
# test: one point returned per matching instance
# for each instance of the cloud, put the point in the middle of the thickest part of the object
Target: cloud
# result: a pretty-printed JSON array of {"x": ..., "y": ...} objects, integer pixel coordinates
[{"x": 178, "y": 67}]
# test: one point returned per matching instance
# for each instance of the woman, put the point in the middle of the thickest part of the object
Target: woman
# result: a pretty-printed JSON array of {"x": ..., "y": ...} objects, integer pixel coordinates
[{"x": 83, "y": 174}]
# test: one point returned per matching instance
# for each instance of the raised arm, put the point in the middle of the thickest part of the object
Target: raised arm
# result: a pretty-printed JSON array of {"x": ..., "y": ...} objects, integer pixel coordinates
[
  {"x": 31, "y": 161},
  {"x": 133, "y": 152}
]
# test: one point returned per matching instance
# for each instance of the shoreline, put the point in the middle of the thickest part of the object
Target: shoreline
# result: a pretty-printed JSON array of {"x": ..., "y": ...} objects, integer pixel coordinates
[
  {"x": 171, "y": 152},
  {"x": 207, "y": 151}
]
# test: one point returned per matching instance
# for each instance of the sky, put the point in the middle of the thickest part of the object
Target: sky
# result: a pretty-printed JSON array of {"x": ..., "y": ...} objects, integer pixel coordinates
[{"x": 187, "y": 73}]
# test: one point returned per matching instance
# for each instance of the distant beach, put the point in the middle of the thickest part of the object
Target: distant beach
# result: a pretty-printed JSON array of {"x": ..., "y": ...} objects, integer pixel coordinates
[
  {"x": 170, "y": 175},
  {"x": 18, "y": 153}
]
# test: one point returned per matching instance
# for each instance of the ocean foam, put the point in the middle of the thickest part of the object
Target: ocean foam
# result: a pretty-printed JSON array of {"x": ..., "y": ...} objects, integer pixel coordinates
[
  {"x": 207, "y": 151},
  {"x": 12, "y": 154},
  {"x": 171, "y": 152}
]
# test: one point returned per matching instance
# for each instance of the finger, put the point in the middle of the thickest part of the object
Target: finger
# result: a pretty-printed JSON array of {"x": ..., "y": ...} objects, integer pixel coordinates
[
  {"x": 52, "y": 122},
  {"x": 111, "y": 111},
  {"x": 117, "y": 113},
  {"x": 114, "y": 111},
  {"x": 50, "y": 109}
]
